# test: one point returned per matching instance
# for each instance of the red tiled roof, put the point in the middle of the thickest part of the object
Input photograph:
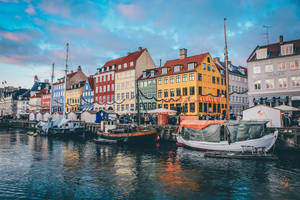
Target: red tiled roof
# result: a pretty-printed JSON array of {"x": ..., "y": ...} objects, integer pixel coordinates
[
  {"x": 70, "y": 75},
  {"x": 91, "y": 82},
  {"x": 183, "y": 62},
  {"x": 126, "y": 59}
]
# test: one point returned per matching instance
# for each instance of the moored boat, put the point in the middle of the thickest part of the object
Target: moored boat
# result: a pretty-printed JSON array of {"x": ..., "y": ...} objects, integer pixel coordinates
[{"x": 220, "y": 135}]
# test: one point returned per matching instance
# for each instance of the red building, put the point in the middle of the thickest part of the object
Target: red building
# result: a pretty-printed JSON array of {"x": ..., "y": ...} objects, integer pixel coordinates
[
  {"x": 104, "y": 86},
  {"x": 45, "y": 100}
]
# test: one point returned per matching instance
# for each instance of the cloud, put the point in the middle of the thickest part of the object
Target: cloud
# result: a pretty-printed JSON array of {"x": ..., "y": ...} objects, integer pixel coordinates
[
  {"x": 130, "y": 12},
  {"x": 55, "y": 7},
  {"x": 17, "y": 36},
  {"x": 30, "y": 10}
]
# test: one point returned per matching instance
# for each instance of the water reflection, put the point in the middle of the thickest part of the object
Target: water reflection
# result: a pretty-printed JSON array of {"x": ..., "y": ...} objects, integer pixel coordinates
[{"x": 54, "y": 168}]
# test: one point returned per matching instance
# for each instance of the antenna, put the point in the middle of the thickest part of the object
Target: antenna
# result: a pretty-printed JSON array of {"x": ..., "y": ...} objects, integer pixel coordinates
[{"x": 267, "y": 33}]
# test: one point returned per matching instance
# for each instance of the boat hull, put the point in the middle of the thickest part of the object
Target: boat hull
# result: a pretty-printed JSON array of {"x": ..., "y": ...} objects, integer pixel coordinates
[
  {"x": 266, "y": 142},
  {"x": 136, "y": 137}
]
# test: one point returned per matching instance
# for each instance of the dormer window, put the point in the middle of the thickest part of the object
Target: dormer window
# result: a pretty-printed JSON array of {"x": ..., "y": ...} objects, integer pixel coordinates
[
  {"x": 152, "y": 73},
  {"x": 131, "y": 64},
  {"x": 287, "y": 49},
  {"x": 191, "y": 66},
  {"x": 177, "y": 68},
  {"x": 125, "y": 65},
  {"x": 119, "y": 66},
  {"x": 164, "y": 70},
  {"x": 261, "y": 53},
  {"x": 144, "y": 74}
]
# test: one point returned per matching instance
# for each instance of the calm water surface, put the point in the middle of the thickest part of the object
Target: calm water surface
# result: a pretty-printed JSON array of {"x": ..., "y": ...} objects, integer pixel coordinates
[{"x": 53, "y": 168}]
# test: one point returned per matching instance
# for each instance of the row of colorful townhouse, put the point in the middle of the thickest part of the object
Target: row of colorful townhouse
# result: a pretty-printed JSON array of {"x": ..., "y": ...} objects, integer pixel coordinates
[{"x": 194, "y": 85}]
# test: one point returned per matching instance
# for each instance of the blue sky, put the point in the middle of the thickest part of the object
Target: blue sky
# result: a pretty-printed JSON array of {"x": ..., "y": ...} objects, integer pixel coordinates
[{"x": 33, "y": 34}]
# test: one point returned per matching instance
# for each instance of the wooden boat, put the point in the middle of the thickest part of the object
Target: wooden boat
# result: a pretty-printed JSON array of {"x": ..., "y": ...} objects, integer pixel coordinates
[
  {"x": 139, "y": 136},
  {"x": 220, "y": 135}
]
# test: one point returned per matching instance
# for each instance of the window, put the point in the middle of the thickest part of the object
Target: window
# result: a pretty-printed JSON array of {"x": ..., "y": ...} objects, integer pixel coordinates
[
  {"x": 118, "y": 96},
  {"x": 204, "y": 66},
  {"x": 131, "y": 63},
  {"x": 108, "y": 88},
  {"x": 164, "y": 70},
  {"x": 287, "y": 49},
  {"x": 132, "y": 95},
  {"x": 104, "y": 78},
  {"x": 270, "y": 84},
  {"x": 112, "y": 87},
  {"x": 208, "y": 59},
  {"x": 205, "y": 107},
  {"x": 213, "y": 79},
  {"x": 192, "y": 107},
  {"x": 199, "y": 77},
  {"x": 257, "y": 85},
  {"x": 184, "y": 91},
  {"x": 127, "y": 95},
  {"x": 208, "y": 67},
  {"x": 214, "y": 107},
  {"x": 184, "y": 78},
  {"x": 213, "y": 68},
  {"x": 166, "y": 93},
  {"x": 178, "y": 92},
  {"x": 200, "y": 90},
  {"x": 123, "y": 96},
  {"x": 159, "y": 81},
  {"x": 192, "y": 90},
  {"x": 295, "y": 81},
  {"x": 261, "y": 53},
  {"x": 166, "y": 106},
  {"x": 282, "y": 82},
  {"x": 269, "y": 68},
  {"x": 172, "y": 107},
  {"x": 218, "y": 92},
  {"x": 104, "y": 88},
  {"x": 172, "y": 94},
  {"x": 185, "y": 107},
  {"x": 166, "y": 80},
  {"x": 256, "y": 70},
  {"x": 192, "y": 77},
  {"x": 281, "y": 66},
  {"x": 160, "y": 93},
  {"x": 177, "y": 79},
  {"x": 125, "y": 65},
  {"x": 172, "y": 79},
  {"x": 177, "y": 68},
  {"x": 191, "y": 66},
  {"x": 219, "y": 108},
  {"x": 294, "y": 65},
  {"x": 159, "y": 106},
  {"x": 200, "y": 107},
  {"x": 209, "y": 108}
]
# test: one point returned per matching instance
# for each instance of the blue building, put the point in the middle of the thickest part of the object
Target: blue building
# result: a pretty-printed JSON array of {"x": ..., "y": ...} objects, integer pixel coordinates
[{"x": 87, "y": 99}]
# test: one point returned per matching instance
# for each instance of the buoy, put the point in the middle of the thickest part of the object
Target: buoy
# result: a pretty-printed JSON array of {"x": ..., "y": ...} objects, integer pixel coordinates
[{"x": 157, "y": 138}]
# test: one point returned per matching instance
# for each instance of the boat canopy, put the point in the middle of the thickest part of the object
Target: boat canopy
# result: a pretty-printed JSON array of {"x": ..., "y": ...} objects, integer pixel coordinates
[{"x": 200, "y": 124}]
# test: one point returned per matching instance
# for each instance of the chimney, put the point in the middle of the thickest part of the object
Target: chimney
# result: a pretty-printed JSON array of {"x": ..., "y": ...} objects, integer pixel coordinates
[
  {"x": 79, "y": 68},
  {"x": 182, "y": 53},
  {"x": 281, "y": 39},
  {"x": 217, "y": 59},
  {"x": 140, "y": 48},
  {"x": 128, "y": 53}
]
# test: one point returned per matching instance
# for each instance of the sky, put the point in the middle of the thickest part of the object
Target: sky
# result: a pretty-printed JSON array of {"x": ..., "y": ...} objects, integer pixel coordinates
[{"x": 33, "y": 34}]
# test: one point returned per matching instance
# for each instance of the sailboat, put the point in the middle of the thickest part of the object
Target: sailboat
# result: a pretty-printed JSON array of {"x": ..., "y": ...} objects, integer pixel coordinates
[{"x": 64, "y": 125}]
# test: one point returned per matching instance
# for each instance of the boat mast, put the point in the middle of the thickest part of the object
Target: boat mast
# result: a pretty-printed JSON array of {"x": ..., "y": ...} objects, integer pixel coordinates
[
  {"x": 52, "y": 79},
  {"x": 65, "y": 85},
  {"x": 138, "y": 103},
  {"x": 227, "y": 75}
]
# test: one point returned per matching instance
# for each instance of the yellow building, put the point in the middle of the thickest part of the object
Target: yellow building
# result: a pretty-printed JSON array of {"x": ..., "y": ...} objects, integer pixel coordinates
[
  {"x": 73, "y": 96},
  {"x": 193, "y": 84}
]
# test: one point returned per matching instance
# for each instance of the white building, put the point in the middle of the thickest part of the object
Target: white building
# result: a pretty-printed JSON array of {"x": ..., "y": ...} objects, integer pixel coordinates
[{"x": 89, "y": 116}]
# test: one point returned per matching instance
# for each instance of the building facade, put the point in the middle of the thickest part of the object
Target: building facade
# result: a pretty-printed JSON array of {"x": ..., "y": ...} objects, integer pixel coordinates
[
  {"x": 45, "y": 100},
  {"x": 87, "y": 99},
  {"x": 193, "y": 85},
  {"x": 128, "y": 69},
  {"x": 274, "y": 74},
  {"x": 238, "y": 87},
  {"x": 73, "y": 97},
  {"x": 147, "y": 88},
  {"x": 104, "y": 90}
]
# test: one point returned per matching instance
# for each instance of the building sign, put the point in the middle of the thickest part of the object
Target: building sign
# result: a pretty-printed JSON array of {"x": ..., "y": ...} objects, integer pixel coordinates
[{"x": 210, "y": 99}]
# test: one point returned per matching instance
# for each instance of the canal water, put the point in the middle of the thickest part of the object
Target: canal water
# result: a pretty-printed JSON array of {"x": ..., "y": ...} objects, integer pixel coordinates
[{"x": 55, "y": 168}]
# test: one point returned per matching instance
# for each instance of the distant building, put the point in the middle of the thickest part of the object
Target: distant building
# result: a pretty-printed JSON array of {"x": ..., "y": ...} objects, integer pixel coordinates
[
  {"x": 191, "y": 84},
  {"x": 38, "y": 85},
  {"x": 128, "y": 69},
  {"x": 274, "y": 74},
  {"x": 87, "y": 99},
  {"x": 147, "y": 87},
  {"x": 74, "y": 90},
  {"x": 46, "y": 100},
  {"x": 238, "y": 86},
  {"x": 104, "y": 88}
]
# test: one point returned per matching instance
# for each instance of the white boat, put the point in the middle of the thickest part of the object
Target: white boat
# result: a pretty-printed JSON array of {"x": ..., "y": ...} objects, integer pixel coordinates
[{"x": 235, "y": 136}]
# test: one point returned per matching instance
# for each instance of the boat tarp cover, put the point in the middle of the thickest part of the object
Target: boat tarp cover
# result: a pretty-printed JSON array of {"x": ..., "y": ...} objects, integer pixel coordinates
[
  {"x": 238, "y": 130},
  {"x": 200, "y": 124}
]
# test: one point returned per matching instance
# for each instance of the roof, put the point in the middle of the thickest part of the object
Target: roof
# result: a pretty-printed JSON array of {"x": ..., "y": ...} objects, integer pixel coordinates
[
  {"x": 70, "y": 75},
  {"x": 287, "y": 108},
  {"x": 274, "y": 50},
  {"x": 183, "y": 62},
  {"x": 126, "y": 59},
  {"x": 148, "y": 73},
  {"x": 200, "y": 124},
  {"x": 38, "y": 86},
  {"x": 232, "y": 68},
  {"x": 91, "y": 82}
]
